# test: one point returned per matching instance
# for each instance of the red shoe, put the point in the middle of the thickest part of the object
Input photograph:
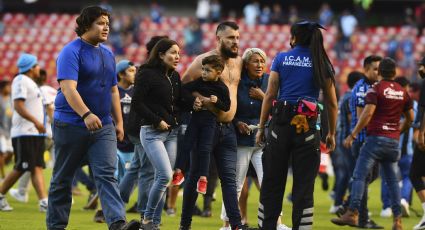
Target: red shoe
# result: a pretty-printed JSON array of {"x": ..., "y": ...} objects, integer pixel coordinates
[
  {"x": 178, "y": 178},
  {"x": 202, "y": 186}
]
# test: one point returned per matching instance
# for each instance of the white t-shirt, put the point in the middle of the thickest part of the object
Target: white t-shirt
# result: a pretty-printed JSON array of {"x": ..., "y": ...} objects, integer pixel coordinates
[
  {"x": 49, "y": 94},
  {"x": 25, "y": 88}
]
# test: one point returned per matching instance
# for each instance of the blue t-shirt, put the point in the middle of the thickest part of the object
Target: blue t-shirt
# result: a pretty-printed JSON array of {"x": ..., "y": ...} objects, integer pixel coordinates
[
  {"x": 93, "y": 68},
  {"x": 295, "y": 69}
]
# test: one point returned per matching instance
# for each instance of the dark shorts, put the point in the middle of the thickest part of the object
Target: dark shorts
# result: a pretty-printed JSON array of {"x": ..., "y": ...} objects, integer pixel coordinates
[{"x": 29, "y": 151}]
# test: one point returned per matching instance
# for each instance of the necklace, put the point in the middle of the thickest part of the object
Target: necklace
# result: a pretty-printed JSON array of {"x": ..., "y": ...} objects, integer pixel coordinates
[{"x": 230, "y": 78}]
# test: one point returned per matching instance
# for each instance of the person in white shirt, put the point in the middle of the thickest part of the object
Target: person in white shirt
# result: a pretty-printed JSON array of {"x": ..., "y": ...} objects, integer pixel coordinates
[{"x": 28, "y": 131}]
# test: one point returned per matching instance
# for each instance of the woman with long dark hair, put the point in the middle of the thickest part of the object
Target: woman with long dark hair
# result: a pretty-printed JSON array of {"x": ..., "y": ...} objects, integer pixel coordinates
[
  {"x": 157, "y": 100},
  {"x": 296, "y": 77}
]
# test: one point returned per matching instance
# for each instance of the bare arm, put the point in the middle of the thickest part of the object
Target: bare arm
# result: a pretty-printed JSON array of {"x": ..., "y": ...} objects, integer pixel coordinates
[
  {"x": 116, "y": 112},
  {"x": 19, "y": 106},
  {"x": 408, "y": 119},
  {"x": 271, "y": 94},
  {"x": 194, "y": 70},
  {"x": 331, "y": 104},
  {"x": 69, "y": 90},
  {"x": 363, "y": 121}
]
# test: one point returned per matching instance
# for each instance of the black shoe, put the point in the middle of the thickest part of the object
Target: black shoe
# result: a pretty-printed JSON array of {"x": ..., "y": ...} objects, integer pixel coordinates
[
  {"x": 92, "y": 202},
  {"x": 133, "y": 209},
  {"x": 149, "y": 226},
  {"x": 99, "y": 217},
  {"x": 341, "y": 210},
  {"x": 121, "y": 225},
  {"x": 370, "y": 225},
  {"x": 197, "y": 211},
  {"x": 206, "y": 213},
  {"x": 184, "y": 228}
]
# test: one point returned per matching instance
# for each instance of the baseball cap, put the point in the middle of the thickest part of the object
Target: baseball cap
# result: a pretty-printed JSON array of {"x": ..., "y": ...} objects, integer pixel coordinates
[{"x": 123, "y": 65}]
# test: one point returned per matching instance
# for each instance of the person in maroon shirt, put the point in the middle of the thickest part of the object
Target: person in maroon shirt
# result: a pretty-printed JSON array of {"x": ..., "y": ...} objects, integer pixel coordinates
[{"x": 385, "y": 103}]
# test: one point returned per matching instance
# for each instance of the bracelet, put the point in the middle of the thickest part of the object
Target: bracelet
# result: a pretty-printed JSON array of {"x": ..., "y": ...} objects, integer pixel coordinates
[
  {"x": 352, "y": 136},
  {"x": 86, "y": 115}
]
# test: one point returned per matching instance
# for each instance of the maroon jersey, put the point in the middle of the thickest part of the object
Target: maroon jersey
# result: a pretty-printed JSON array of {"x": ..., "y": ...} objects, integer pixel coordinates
[{"x": 391, "y": 101}]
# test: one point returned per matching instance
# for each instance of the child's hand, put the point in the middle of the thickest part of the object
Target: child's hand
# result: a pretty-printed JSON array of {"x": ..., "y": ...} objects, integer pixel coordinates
[{"x": 213, "y": 99}]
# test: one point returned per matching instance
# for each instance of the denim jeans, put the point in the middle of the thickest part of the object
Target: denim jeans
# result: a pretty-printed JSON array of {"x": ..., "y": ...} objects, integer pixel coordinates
[
  {"x": 200, "y": 133},
  {"x": 161, "y": 149},
  {"x": 224, "y": 152},
  {"x": 246, "y": 154},
  {"x": 384, "y": 150},
  {"x": 72, "y": 145},
  {"x": 343, "y": 163},
  {"x": 142, "y": 173},
  {"x": 406, "y": 187}
]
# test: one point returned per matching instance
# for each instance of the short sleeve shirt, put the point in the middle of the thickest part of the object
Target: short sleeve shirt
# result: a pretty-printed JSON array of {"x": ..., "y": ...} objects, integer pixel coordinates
[
  {"x": 391, "y": 101},
  {"x": 295, "y": 69},
  {"x": 93, "y": 68},
  {"x": 26, "y": 89}
]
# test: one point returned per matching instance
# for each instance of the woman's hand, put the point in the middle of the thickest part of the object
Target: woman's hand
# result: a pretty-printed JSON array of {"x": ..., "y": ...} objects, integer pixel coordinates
[
  {"x": 243, "y": 128},
  {"x": 163, "y": 126},
  {"x": 260, "y": 138},
  {"x": 256, "y": 93}
]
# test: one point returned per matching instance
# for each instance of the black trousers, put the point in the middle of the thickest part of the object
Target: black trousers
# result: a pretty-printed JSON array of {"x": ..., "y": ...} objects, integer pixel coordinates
[
  {"x": 417, "y": 169},
  {"x": 284, "y": 146}
]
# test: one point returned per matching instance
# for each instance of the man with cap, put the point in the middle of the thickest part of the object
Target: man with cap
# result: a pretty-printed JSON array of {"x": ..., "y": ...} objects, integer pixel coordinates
[
  {"x": 28, "y": 130},
  {"x": 417, "y": 169},
  {"x": 87, "y": 121}
]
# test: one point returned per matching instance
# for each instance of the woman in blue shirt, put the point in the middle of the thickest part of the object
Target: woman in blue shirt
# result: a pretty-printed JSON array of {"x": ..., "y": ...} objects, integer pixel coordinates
[{"x": 297, "y": 76}]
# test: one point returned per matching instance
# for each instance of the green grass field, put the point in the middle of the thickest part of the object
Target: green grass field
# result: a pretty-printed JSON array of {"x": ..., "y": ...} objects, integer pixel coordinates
[{"x": 27, "y": 216}]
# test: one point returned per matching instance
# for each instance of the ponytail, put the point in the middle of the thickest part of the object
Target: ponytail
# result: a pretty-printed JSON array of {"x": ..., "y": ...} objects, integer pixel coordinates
[{"x": 322, "y": 66}]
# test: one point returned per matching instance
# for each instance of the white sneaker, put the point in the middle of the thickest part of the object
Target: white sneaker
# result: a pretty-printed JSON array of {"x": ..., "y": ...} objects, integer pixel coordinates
[
  {"x": 283, "y": 227},
  {"x": 386, "y": 213},
  {"x": 23, "y": 198},
  {"x": 4, "y": 206},
  {"x": 226, "y": 228},
  {"x": 333, "y": 209},
  {"x": 405, "y": 212},
  {"x": 421, "y": 224},
  {"x": 42, "y": 206}
]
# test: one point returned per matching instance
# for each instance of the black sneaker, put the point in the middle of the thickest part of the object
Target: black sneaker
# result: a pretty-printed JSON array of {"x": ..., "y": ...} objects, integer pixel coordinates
[
  {"x": 341, "y": 210},
  {"x": 197, "y": 211},
  {"x": 121, "y": 225},
  {"x": 184, "y": 228},
  {"x": 99, "y": 217},
  {"x": 149, "y": 226},
  {"x": 370, "y": 225},
  {"x": 206, "y": 213}
]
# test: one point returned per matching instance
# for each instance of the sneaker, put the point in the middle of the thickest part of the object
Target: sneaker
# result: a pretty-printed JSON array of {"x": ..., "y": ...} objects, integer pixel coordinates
[
  {"x": 18, "y": 196},
  {"x": 91, "y": 202},
  {"x": 4, "y": 206},
  {"x": 99, "y": 217},
  {"x": 201, "y": 186},
  {"x": 171, "y": 212},
  {"x": 149, "y": 226},
  {"x": 184, "y": 228},
  {"x": 405, "y": 212},
  {"x": 333, "y": 209},
  {"x": 341, "y": 210},
  {"x": 283, "y": 227},
  {"x": 42, "y": 206},
  {"x": 197, "y": 211},
  {"x": 122, "y": 225},
  {"x": 225, "y": 228},
  {"x": 206, "y": 213},
  {"x": 386, "y": 213},
  {"x": 178, "y": 178},
  {"x": 420, "y": 225}
]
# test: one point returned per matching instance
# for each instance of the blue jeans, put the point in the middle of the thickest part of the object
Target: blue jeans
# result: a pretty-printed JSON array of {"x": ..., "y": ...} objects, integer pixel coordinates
[
  {"x": 406, "y": 188},
  {"x": 200, "y": 133},
  {"x": 161, "y": 149},
  {"x": 141, "y": 172},
  {"x": 72, "y": 145},
  {"x": 384, "y": 150},
  {"x": 225, "y": 154},
  {"x": 343, "y": 163}
]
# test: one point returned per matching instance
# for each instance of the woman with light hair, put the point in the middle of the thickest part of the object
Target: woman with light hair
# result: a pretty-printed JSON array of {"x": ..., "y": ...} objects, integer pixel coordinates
[{"x": 251, "y": 91}]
